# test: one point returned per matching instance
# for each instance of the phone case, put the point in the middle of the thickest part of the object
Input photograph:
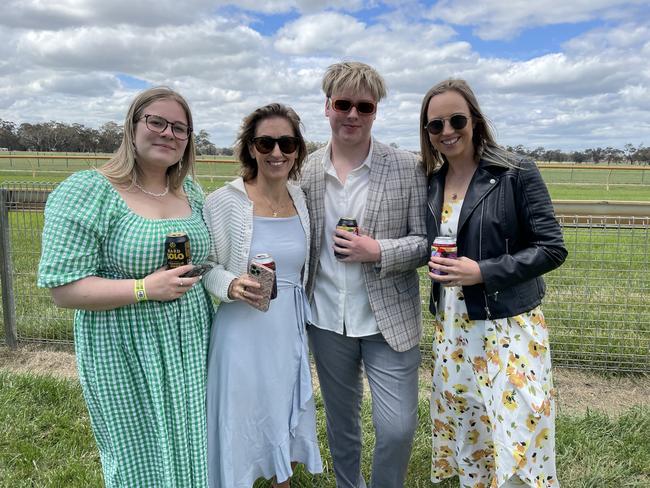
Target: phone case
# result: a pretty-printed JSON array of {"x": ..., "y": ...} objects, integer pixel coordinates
[
  {"x": 198, "y": 270},
  {"x": 265, "y": 277}
]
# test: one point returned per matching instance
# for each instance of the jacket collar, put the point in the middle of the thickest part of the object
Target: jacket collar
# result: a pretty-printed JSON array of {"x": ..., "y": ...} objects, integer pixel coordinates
[{"x": 486, "y": 178}]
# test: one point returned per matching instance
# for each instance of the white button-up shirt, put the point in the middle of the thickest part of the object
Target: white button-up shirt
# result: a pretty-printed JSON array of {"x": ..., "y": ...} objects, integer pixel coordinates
[{"x": 340, "y": 302}]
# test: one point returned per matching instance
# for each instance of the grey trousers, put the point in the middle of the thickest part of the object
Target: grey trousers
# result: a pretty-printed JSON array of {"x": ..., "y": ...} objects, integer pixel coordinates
[{"x": 393, "y": 380}]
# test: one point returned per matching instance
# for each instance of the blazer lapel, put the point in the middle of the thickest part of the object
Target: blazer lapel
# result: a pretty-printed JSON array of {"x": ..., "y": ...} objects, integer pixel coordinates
[{"x": 378, "y": 172}]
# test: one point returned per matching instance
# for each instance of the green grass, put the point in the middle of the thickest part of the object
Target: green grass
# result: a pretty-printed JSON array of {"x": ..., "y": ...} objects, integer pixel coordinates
[{"x": 46, "y": 442}]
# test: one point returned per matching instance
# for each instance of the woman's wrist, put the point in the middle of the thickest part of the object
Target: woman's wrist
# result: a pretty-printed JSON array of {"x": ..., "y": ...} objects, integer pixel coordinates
[{"x": 140, "y": 291}]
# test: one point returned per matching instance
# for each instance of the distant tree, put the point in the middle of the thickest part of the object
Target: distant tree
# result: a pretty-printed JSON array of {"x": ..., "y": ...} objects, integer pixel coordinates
[
  {"x": 642, "y": 155},
  {"x": 9, "y": 136},
  {"x": 314, "y": 146},
  {"x": 578, "y": 157},
  {"x": 203, "y": 144},
  {"x": 628, "y": 151},
  {"x": 225, "y": 151},
  {"x": 595, "y": 155},
  {"x": 109, "y": 137}
]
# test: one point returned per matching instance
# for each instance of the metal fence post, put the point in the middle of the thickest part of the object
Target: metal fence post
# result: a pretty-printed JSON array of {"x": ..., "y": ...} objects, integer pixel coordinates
[{"x": 6, "y": 273}]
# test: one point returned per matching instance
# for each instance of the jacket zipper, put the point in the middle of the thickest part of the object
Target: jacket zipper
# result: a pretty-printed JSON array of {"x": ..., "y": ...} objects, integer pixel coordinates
[{"x": 480, "y": 256}]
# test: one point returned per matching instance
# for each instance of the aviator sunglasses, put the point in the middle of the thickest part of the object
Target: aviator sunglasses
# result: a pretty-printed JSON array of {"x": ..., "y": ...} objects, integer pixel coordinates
[
  {"x": 266, "y": 144},
  {"x": 344, "y": 105},
  {"x": 436, "y": 126}
]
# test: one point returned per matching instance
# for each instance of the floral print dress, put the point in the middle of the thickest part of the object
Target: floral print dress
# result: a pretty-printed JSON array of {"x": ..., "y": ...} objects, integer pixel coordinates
[{"x": 492, "y": 400}]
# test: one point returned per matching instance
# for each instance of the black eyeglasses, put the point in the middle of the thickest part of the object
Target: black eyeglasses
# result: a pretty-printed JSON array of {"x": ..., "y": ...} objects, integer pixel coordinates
[
  {"x": 266, "y": 144},
  {"x": 364, "y": 107},
  {"x": 436, "y": 126},
  {"x": 156, "y": 123}
]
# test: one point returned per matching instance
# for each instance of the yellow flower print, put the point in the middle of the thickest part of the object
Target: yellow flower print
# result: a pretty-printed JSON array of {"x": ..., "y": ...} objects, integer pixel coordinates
[
  {"x": 535, "y": 348},
  {"x": 458, "y": 356},
  {"x": 509, "y": 400},
  {"x": 479, "y": 363},
  {"x": 515, "y": 371},
  {"x": 544, "y": 408},
  {"x": 472, "y": 436},
  {"x": 519, "y": 453},
  {"x": 532, "y": 421},
  {"x": 541, "y": 437},
  {"x": 439, "y": 406},
  {"x": 445, "y": 374},
  {"x": 444, "y": 451},
  {"x": 460, "y": 388},
  {"x": 445, "y": 431},
  {"x": 520, "y": 320},
  {"x": 537, "y": 317},
  {"x": 479, "y": 484},
  {"x": 442, "y": 469},
  {"x": 486, "y": 420},
  {"x": 446, "y": 213},
  {"x": 480, "y": 454}
]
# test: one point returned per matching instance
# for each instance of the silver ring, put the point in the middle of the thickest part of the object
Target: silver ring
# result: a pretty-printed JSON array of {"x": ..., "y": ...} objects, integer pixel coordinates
[{"x": 180, "y": 282}]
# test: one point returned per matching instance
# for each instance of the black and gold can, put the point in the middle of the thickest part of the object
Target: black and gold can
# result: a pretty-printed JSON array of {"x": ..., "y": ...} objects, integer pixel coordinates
[{"x": 177, "y": 249}]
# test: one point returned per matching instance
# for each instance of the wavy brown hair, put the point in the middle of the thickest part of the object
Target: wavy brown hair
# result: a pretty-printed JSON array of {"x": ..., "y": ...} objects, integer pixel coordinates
[
  {"x": 485, "y": 145},
  {"x": 244, "y": 143}
]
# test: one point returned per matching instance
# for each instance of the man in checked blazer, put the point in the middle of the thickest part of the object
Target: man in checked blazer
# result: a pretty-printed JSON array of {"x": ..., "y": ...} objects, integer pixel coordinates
[{"x": 366, "y": 308}]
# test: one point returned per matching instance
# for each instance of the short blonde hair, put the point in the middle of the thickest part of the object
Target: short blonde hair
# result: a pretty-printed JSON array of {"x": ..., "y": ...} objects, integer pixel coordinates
[
  {"x": 122, "y": 168},
  {"x": 355, "y": 76}
]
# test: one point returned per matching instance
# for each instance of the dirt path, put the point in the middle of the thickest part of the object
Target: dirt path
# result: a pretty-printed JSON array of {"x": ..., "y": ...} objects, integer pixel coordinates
[{"x": 578, "y": 390}]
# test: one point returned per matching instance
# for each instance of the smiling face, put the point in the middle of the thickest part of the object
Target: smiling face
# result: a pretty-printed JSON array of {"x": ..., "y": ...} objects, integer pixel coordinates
[
  {"x": 158, "y": 151},
  {"x": 275, "y": 165},
  {"x": 350, "y": 128},
  {"x": 455, "y": 144}
]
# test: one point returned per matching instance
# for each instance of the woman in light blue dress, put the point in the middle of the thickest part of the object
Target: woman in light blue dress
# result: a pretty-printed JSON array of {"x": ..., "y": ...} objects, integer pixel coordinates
[{"x": 261, "y": 415}]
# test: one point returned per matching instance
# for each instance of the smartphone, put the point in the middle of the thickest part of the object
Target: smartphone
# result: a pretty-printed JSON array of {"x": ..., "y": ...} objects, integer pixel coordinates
[
  {"x": 198, "y": 270},
  {"x": 265, "y": 277}
]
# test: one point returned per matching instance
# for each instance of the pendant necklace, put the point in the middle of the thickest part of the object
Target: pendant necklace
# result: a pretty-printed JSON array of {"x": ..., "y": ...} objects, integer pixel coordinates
[
  {"x": 274, "y": 210},
  {"x": 150, "y": 193}
]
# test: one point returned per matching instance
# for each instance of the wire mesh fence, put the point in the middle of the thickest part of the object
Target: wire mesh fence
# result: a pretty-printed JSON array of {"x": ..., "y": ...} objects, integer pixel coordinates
[{"x": 597, "y": 305}]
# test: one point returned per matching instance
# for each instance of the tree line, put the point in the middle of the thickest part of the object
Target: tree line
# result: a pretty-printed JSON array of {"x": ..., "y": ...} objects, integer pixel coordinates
[{"x": 62, "y": 137}]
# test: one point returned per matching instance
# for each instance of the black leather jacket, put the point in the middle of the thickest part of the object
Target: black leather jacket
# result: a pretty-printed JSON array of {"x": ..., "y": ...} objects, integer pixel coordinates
[{"x": 508, "y": 226}]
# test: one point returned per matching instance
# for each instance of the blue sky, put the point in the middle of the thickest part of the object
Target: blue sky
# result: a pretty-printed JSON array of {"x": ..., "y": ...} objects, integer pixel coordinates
[{"x": 567, "y": 75}]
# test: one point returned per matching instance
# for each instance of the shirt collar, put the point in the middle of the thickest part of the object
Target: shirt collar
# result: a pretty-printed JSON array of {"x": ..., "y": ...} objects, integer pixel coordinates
[{"x": 327, "y": 160}]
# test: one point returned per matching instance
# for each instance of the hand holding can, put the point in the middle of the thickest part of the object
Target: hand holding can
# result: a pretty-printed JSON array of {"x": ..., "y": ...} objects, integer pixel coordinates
[
  {"x": 444, "y": 247},
  {"x": 350, "y": 225}
]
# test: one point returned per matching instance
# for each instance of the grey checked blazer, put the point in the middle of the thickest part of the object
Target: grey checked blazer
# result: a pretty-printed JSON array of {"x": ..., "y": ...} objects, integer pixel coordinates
[{"x": 395, "y": 217}]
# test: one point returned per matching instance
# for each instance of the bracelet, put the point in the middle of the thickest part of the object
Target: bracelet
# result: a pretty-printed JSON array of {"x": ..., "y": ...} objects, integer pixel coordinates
[{"x": 140, "y": 292}]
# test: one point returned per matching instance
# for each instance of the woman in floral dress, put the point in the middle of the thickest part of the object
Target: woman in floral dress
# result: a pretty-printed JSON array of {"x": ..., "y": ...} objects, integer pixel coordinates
[
  {"x": 141, "y": 330},
  {"x": 492, "y": 401}
]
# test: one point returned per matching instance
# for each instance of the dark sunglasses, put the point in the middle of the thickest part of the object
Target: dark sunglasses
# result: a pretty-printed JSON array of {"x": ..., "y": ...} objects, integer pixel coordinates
[
  {"x": 266, "y": 144},
  {"x": 436, "y": 126},
  {"x": 344, "y": 105}
]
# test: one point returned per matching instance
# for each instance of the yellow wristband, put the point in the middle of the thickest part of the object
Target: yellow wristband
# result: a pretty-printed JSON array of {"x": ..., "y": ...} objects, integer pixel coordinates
[{"x": 140, "y": 292}]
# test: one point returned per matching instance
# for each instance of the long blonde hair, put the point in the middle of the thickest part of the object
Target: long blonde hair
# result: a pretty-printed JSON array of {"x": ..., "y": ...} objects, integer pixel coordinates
[
  {"x": 485, "y": 145},
  {"x": 123, "y": 168}
]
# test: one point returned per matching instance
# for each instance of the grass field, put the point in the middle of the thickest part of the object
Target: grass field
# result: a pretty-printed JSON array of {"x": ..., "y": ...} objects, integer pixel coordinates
[
  {"x": 563, "y": 184},
  {"x": 46, "y": 442}
]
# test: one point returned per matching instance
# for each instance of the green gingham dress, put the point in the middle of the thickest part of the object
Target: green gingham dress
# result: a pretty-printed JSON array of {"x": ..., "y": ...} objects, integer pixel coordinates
[{"x": 142, "y": 367}]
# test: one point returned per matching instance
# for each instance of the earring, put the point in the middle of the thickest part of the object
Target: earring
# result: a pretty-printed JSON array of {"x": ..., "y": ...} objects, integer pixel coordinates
[{"x": 180, "y": 166}]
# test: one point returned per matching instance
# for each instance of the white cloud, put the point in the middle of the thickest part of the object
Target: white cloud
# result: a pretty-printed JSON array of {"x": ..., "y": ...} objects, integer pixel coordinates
[
  {"x": 64, "y": 60},
  {"x": 497, "y": 19}
]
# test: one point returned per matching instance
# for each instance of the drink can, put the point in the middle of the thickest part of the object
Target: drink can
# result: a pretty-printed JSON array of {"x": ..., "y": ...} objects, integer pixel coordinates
[
  {"x": 265, "y": 259},
  {"x": 348, "y": 224},
  {"x": 444, "y": 247},
  {"x": 177, "y": 249}
]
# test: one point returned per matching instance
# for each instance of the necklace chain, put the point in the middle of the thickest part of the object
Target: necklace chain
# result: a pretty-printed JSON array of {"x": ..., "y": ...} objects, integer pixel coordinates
[
  {"x": 150, "y": 193},
  {"x": 274, "y": 210}
]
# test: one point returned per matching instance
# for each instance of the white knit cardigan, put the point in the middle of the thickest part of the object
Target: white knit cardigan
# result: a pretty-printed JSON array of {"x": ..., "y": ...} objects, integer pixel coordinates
[{"x": 228, "y": 212}]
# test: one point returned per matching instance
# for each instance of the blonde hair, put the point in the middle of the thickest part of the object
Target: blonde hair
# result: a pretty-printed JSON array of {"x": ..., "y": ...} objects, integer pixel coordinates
[
  {"x": 123, "y": 168},
  {"x": 247, "y": 133},
  {"x": 354, "y": 76},
  {"x": 485, "y": 145}
]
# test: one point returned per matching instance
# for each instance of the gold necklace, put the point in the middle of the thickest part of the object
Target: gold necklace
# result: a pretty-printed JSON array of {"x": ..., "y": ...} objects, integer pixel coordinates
[{"x": 274, "y": 210}]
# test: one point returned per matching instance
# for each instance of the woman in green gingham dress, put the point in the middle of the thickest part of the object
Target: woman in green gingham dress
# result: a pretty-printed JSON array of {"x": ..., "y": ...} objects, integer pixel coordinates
[{"x": 141, "y": 331}]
